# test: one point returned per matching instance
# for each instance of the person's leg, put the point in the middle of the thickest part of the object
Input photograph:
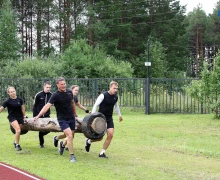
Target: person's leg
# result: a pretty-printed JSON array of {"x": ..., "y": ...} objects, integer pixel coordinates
[
  {"x": 57, "y": 138},
  {"x": 110, "y": 133},
  {"x": 17, "y": 128},
  {"x": 69, "y": 139},
  {"x": 41, "y": 138}
]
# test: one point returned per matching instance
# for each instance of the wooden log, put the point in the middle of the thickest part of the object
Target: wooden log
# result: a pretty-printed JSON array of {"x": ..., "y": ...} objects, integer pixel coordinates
[{"x": 92, "y": 126}]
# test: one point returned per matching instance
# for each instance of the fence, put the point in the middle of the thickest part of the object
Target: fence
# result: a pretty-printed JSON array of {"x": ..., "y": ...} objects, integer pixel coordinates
[{"x": 166, "y": 95}]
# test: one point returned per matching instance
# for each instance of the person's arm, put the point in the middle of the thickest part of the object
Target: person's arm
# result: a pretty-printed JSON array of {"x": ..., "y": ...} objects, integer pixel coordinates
[
  {"x": 117, "y": 109},
  {"x": 43, "y": 110},
  {"x": 1, "y": 109},
  {"x": 23, "y": 112},
  {"x": 82, "y": 107},
  {"x": 74, "y": 108},
  {"x": 36, "y": 102},
  {"x": 98, "y": 102}
]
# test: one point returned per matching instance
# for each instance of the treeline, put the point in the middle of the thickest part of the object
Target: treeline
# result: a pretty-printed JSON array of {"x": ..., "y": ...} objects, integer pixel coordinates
[{"x": 86, "y": 38}]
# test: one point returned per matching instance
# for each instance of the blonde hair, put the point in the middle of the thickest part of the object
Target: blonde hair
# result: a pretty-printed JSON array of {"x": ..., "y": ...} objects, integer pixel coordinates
[
  {"x": 113, "y": 82},
  {"x": 10, "y": 87},
  {"x": 73, "y": 87}
]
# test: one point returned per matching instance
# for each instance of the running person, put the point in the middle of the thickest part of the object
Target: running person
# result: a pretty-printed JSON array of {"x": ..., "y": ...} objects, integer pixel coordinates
[
  {"x": 40, "y": 99},
  {"x": 75, "y": 91},
  {"x": 106, "y": 102},
  {"x": 16, "y": 114},
  {"x": 64, "y": 104}
]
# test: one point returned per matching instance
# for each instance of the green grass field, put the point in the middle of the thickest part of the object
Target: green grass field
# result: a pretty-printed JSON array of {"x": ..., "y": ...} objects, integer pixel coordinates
[{"x": 144, "y": 147}]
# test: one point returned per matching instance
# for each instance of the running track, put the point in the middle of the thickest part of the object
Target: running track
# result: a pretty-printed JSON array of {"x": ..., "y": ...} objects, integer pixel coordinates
[{"x": 8, "y": 172}]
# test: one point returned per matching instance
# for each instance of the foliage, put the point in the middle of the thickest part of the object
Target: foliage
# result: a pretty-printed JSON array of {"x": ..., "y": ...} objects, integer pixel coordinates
[
  {"x": 32, "y": 68},
  {"x": 157, "y": 58},
  {"x": 83, "y": 61},
  {"x": 9, "y": 42},
  {"x": 207, "y": 90}
]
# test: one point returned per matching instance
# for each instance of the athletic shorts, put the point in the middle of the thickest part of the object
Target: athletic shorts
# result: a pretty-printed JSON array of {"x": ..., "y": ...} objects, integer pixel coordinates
[
  {"x": 110, "y": 123},
  {"x": 64, "y": 124},
  {"x": 12, "y": 118}
]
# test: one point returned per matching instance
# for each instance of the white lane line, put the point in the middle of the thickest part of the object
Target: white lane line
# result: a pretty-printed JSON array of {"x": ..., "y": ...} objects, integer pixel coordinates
[{"x": 20, "y": 172}]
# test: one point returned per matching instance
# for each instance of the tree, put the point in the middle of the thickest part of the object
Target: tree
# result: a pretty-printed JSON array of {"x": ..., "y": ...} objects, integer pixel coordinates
[
  {"x": 84, "y": 61},
  {"x": 158, "y": 67},
  {"x": 206, "y": 90},
  {"x": 10, "y": 46}
]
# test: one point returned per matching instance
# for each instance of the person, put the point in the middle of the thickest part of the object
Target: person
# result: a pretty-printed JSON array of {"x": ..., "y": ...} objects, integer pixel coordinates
[
  {"x": 16, "y": 114},
  {"x": 64, "y": 104},
  {"x": 40, "y": 99},
  {"x": 75, "y": 91},
  {"x": 106, "y": 102}
]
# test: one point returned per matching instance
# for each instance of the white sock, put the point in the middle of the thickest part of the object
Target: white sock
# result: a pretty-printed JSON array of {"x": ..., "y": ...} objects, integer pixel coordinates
[
  {"x": 89, "y": 141},
  {"x": 103, "y": 151}
]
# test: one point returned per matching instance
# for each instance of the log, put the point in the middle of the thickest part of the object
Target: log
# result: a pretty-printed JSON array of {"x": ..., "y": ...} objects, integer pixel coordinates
[{"x": 93, "y": 126}]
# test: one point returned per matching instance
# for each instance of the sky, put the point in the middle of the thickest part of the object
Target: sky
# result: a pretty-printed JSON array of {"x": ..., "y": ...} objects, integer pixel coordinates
[{"x": 207, "y": 5}]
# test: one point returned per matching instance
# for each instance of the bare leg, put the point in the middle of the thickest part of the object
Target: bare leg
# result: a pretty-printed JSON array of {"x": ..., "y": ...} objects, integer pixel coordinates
[
  {"x": 110, "y": 133},
  {"x": 69, "y": 134},
  {"x": 17, "y": 128}
]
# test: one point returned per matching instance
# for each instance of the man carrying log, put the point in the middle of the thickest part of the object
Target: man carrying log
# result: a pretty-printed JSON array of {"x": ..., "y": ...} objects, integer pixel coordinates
[
  {"x": 40, "y": 99},
  {"x": 66, "y": 112},
  {"x": 106, "y": 102}
]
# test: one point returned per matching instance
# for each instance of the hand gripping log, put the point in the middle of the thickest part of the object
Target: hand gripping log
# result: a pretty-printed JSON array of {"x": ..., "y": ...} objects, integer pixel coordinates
[{"x": 93, "y": 126}]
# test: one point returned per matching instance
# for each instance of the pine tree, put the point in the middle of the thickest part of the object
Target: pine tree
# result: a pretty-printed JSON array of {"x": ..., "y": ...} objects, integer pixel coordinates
[{"x": 9, "y": 43}]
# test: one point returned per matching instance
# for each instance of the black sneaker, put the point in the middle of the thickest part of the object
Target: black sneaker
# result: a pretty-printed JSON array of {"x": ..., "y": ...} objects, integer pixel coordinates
[
  {"x": 42, "y": 146},
  {"x": 103, "y": 155},
  {"x": 61, "y": 149},
  {"x": 66, "y": 148},
  {"x": 87, "y": 146},
  {"x": 55, "y": 141},
  {"x": 18, "y": 147}
]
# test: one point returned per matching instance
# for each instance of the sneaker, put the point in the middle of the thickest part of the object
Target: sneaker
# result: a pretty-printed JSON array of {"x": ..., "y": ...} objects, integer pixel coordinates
[
  {"x": 55, "y": 141},
  {"x": 66, "y": 148},
  {"x": 14, "y": 144},
  {"x": 103, "y": 155},
  {"x": 72, "y": 158},
  {"x": 61, "y": 149},
  {"x": 87, "y": 146},
  {"x": 18, "y": 147},
  {"x": 42, "y": 146}
]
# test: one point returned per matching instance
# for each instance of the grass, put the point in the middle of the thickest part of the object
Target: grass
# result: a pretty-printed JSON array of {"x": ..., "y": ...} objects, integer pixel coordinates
[{"x": 144, "y": 147}]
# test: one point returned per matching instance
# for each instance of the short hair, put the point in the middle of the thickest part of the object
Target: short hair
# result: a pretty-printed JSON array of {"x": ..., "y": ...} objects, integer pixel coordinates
[
  {"x": 113, "y": 82},
  {"x": 47, "y": 83},
  {"x": 73, "y": 87},
  {"x": 60, "y": 79},
  {"x": 10, "y": 87}
]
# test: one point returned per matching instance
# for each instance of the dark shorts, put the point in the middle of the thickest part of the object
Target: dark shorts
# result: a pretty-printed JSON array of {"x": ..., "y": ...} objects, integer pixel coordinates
[
  {"x": 20, "y": 120},
  {"x": 110, "y": 123},
  {"x": 67, "y": 124}
]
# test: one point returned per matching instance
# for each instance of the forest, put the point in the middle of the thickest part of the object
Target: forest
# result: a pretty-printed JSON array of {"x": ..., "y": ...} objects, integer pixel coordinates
[{"x": 106, "y": 38}]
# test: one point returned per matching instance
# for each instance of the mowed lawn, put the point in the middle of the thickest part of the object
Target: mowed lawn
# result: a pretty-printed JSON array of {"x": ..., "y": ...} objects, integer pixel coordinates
[{"x": 144, "y": 147}]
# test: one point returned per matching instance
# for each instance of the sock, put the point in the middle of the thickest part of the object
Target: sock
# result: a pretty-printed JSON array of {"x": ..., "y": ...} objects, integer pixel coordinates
[
  {"x": 89, "y": 141},
  {"x": 56, "y": 138},
  {"x": 103, "y": 151}
]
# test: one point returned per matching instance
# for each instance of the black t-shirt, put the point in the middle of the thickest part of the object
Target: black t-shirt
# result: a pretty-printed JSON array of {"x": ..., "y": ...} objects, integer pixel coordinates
[
  {"x": 75, "y": 99},
  {"x": 14, "y": 107},
  {"x": 63, "y": 104},
  {"x": 107, "y": 105},
  {"x": 40, "y": 99}
]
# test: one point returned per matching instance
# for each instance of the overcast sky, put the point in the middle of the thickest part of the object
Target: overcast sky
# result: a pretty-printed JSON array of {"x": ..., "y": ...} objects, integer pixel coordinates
[{"x": 207, "y": 5}]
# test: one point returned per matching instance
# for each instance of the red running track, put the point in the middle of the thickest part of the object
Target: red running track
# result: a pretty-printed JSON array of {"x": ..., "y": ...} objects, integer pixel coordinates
[{"x": 8, "y": 172}]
